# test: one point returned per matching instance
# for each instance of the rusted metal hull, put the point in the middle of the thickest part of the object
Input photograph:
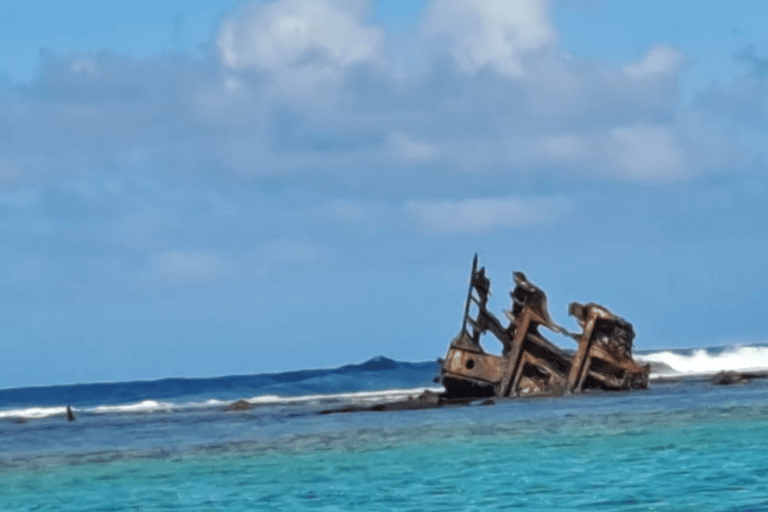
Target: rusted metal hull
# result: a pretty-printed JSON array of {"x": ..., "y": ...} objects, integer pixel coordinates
[{"x": 529, "y": 364}]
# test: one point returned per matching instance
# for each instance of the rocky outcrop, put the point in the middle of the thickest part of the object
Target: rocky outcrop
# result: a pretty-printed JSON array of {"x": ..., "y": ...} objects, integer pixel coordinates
[
  {"x": 725, "y": 378},
  {"x": 240, "y": 405}
]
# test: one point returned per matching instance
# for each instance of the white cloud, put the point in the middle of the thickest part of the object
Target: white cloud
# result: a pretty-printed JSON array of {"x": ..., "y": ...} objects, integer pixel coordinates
[
  {"x": 273, "y": 112},
  {"x": 285, "y": 33},
  {"x": 661, "y": 60},
  {"x": 496, "y": 33},
  {"x": 637, "y": 152},
  {"x": 481, "y": 215}
]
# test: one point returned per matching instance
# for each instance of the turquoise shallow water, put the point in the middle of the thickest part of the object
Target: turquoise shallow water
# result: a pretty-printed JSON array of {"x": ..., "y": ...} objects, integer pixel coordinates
[{"x": 680, "y": 446}]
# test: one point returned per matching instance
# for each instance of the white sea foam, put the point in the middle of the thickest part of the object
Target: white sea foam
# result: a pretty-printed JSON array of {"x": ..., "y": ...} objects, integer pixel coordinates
[
  {"x": 33, "y": 412},
  {"x": 357, "y": 397},
  {"x": 701, "y": 362},
  {"x": 143, "y": 406}
]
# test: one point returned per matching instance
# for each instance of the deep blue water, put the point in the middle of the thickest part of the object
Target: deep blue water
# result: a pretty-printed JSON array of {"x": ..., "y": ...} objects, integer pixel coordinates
[
  {"x": 680, "y": 445},
  {"x": 375, "y": 374}
]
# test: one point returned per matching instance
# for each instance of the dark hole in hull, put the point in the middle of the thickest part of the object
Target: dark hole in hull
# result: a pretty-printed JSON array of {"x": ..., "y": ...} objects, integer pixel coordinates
[{"x": 460, "y": 388}]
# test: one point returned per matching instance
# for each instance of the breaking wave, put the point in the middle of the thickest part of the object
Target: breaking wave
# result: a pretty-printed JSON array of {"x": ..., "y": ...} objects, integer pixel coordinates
[
  {"x": 671, "y": 363},
  {"x": 143, "y": 406},
  {"x": 33, "y": 412}
]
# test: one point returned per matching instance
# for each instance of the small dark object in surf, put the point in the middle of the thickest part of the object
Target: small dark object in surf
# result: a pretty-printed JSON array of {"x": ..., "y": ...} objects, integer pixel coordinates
[
  {"x": 426, "y": 400},
  {"x": 70, "y": 414},
  {"x": 726, "y": 378},
  {"x": 530, "y": 365},
  {"x": 240, "y": 405}
]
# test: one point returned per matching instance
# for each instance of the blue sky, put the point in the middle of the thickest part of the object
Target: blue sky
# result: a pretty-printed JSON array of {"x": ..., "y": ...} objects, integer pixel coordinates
[{"x": 207, "y": 188}]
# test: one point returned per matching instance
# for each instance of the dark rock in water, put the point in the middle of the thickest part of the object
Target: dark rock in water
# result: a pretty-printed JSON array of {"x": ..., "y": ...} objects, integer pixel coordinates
[
  {"x": 429, "y": 397},
  {"x": 240, "y": 405},
  {"x": 659, "y": 368},
  {"x": 729, "y": 377},
  {"x": 426, "y": 400},
  {"x": 70, "y": 414}
]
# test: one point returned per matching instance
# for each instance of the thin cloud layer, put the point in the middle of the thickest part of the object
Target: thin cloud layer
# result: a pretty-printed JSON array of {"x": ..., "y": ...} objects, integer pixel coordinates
[
  {"x": 649, "y": 153},
  {"x": 659, "y": 61},
  {"x": 189, "y": 265},
  {"x": 483, "y": 215}
]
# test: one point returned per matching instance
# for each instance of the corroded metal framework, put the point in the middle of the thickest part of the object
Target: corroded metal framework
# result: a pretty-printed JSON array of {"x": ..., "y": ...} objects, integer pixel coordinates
[{"x": 529, "y": 364}]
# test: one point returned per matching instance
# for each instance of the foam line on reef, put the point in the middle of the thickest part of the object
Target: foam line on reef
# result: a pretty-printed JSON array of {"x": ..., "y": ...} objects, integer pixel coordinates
[
  {"x": 358, "y": 396},
  {"x": 150, "y": 406}
]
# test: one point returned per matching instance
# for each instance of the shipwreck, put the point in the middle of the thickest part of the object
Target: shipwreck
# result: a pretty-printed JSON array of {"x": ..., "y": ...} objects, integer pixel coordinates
[{"x": 530, "y": 364}]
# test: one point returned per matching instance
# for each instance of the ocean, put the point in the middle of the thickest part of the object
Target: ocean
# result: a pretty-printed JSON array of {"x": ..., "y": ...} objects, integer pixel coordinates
[{"x": 683, "y": 444}]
